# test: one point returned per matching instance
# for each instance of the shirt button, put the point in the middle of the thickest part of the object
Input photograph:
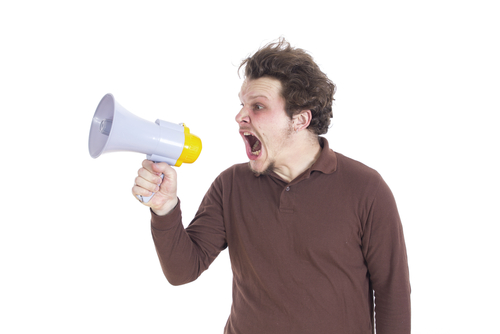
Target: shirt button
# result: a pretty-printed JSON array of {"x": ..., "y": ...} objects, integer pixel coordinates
[{"x": 287, "y": 189}]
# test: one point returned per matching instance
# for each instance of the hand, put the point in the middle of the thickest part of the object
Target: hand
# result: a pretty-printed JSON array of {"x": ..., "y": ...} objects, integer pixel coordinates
[{"x": 149, "y": 181}]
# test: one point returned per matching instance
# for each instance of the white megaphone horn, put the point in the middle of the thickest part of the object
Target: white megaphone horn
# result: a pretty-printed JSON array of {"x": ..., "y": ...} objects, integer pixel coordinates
[{"x": 115, "y": 129}]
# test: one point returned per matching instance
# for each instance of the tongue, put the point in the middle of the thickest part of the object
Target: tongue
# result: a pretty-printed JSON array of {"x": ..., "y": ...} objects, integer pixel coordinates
[{"x": 256, "y": 146}]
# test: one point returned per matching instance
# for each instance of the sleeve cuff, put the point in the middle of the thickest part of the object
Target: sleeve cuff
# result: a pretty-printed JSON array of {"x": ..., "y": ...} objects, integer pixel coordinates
[{"x": 167, "y": 221}]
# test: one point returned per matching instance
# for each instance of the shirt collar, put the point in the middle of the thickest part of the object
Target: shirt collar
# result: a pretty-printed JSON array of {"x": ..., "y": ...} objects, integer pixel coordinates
[
  {"x": 327, "y": 160},
  {"x": 326, "y": 163}
]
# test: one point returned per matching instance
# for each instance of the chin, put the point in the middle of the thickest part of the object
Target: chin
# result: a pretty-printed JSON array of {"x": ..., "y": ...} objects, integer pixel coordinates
[{"x": 260, "y": 170}]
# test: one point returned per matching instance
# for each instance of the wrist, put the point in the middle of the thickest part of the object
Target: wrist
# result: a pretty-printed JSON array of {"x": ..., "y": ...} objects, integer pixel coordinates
[{"x": 166, "y": 209}]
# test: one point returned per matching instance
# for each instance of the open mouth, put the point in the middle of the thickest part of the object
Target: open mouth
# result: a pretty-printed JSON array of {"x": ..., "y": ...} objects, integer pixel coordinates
[{"x": 253, "y": 143}]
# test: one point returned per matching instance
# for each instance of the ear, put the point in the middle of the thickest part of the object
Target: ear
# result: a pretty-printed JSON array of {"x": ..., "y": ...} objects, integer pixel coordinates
[{"x": 302, "y": 120}]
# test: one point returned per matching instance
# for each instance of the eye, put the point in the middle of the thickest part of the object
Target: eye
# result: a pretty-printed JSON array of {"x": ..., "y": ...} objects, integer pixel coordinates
[{"x": 258, "y": 107}]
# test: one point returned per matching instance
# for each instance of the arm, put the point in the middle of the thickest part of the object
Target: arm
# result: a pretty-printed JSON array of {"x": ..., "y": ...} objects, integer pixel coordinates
[
  {"x": 385, "y": 254},
  {"x": 183, "y": 253}
]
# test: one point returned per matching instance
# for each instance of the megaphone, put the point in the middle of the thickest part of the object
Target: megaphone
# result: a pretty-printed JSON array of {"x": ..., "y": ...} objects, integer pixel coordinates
[{"x": 115, "y": 129}]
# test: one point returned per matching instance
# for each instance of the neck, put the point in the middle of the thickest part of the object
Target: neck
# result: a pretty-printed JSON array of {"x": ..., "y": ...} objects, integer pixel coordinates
[{"x": 302, "y": 153}]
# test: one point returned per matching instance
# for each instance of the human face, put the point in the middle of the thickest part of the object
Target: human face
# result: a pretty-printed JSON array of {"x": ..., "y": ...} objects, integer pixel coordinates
[{"x": 263, "y": 124}]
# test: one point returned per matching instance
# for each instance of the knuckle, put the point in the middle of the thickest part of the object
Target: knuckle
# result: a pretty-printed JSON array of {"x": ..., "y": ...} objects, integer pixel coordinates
[{"x": 143, "y": 192}]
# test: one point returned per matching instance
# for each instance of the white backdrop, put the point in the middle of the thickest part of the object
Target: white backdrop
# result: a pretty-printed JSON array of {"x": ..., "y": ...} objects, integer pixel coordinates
[{"x": 417, "y": 100}]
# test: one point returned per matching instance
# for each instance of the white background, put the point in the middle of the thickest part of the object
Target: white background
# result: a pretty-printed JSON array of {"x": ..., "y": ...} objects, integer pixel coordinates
[{"x": 418, "y": 87}]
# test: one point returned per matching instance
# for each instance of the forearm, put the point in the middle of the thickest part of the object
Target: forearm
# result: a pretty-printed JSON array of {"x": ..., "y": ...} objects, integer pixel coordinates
[
  {"x": 393, "y": 311},
  {"x": 179, "y": 256},
  {"x": 387, "y": 262},
  {"x": 185, "y": 253}
]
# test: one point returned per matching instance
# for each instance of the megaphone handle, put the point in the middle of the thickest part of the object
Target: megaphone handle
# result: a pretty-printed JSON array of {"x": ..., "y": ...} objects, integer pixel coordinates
[{"x": 144, "y": 199}]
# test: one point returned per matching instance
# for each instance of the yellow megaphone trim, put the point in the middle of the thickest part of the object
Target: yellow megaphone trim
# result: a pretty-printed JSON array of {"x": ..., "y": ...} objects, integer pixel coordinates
[{"x": 191, "y": 150}]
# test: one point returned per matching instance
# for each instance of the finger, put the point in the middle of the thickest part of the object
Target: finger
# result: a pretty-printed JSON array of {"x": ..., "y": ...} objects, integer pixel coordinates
[
  {"x": 149, "y": 176},
  {"x": 148, "y": 165},
  {"x": 154, "y": 167},
  {"x": 161, "y": 168},
  {"x": 136, "y": 190},
  {"x": 152, "y": 186}
]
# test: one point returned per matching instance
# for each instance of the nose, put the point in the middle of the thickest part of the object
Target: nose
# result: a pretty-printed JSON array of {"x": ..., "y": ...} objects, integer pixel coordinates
[{"x": 242, "y": 116}]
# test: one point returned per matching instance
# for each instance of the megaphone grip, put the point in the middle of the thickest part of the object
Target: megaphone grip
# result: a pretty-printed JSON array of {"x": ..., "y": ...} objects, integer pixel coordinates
[{"x": 145, "y": 199}]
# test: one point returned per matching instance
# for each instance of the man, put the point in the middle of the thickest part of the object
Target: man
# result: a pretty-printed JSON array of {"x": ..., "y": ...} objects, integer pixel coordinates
[{"x": 315, "y": 240}]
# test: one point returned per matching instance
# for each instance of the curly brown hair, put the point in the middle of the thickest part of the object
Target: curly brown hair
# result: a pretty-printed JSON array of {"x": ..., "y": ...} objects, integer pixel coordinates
[{"x": 304, "y": 85}]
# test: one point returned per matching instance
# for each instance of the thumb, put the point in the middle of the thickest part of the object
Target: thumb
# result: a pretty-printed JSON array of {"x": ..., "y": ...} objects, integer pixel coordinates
[
  {"x": 160, "y": 167},
  {"x": 169, "y": 176}
]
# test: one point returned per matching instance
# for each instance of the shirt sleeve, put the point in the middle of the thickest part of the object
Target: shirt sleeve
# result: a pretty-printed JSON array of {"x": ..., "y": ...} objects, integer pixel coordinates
[
  {"x": 185, "y": 254},
  {"x": 384, "y": 250}
]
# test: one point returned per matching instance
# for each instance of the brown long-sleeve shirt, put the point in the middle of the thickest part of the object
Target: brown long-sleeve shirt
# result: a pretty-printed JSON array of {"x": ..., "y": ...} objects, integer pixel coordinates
[{"x": 307, "y": 256}]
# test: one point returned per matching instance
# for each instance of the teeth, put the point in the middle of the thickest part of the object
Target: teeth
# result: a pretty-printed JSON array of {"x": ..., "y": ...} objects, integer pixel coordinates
[{"x": 255, "y": 145}]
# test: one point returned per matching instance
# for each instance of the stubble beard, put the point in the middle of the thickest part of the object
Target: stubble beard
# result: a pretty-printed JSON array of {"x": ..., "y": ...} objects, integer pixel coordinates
[
  {"x": 287, "y": 133},
  {"x": 267, "y": 171}
]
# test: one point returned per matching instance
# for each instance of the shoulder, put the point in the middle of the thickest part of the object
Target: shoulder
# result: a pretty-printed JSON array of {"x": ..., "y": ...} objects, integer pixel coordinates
[
  {"x": 365, "y": 183},
  {"x": 354, "y": 168},
  {"x": 357, "y": 175}
]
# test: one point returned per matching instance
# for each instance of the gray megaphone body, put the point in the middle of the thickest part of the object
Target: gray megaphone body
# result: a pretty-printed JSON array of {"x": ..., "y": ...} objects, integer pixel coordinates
[{"x": 115, "y": 129}]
